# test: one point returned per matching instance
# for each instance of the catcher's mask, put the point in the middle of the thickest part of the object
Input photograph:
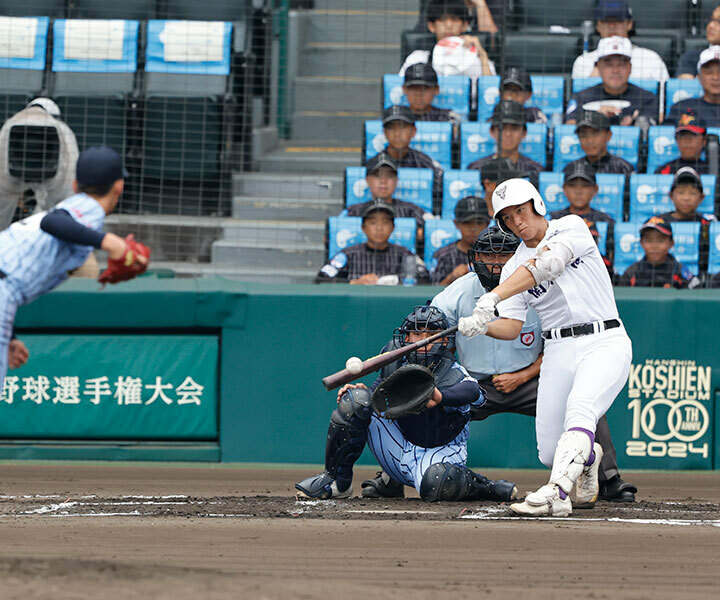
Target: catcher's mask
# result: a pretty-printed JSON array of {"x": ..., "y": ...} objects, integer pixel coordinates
[
  {"x": 491, "y": 241},
  {"x": 423, "y": 319}
]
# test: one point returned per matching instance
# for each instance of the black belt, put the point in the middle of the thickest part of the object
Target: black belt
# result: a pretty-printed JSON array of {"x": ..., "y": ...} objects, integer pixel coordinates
[{"x": 583, "y": 329}]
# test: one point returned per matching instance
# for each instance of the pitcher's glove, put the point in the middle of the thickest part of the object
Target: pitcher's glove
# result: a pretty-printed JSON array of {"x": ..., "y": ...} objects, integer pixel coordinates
[
  {"x": 406, "y": 391},
  {"x": 133, "y": 262}
]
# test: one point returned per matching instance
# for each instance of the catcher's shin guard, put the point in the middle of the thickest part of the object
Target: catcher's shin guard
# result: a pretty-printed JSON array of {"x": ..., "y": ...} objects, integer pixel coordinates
[
  {"x": 347, "y": 434},
  {"x": 444, "y": 482},
  {"x": 322, "y": 487},
  {"x": 382, "y": 486}
]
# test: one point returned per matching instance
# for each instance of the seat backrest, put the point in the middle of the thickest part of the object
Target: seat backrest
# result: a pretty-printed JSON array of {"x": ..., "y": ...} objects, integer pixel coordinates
[
  {"x": 457, "y": 184},
  {"x": 686, "y": 246},
  {"x": 582, "y": 83},
  {"x": 454, "y": 93},
  {"x": 609, "y": 199},
  {"x": 677, "y": 90},
  {"x": 432, "y": 138},
  {"x": 415, "y": 40},
  {"x": 94, "y": 56},
  {"x": 488, "y": 93},
  {"x": 141, "y": 10},
  {"x": 627, "y": 246},
  {"x": 548, "y": 93},
  {"x": 550, "y": 186},
  {"x": 438, "y": 233},
  {"x": 22, "y": 55},
  {"x": 664, "y": 43},
  {"x": 566, "y": 13},
  {"x": 187, "y": 58},
  {"x": 347, "y": 231},
  {"x": 650, "y": 195},
  {"x": 661, "y": 146},
  {"x": 541, "y": 53},
  {"x": 714, "y": 256},
  {"x": 476, "y": 142},
  {"x": 659, "y": 14},
  {"x": 414, "y": 185},
  {"x": 602, "y": 229},
  {"x": 625, "y": 143},
  {"x": 208, "y": 10},
  {"x": 34, "y": 8}
]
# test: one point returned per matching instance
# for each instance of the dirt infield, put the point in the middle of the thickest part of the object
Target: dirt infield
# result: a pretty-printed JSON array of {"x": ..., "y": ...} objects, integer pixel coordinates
[{"x": 108, "y": 530}]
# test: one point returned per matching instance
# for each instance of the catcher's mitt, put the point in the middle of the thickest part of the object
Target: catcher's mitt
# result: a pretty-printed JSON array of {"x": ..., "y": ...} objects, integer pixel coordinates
[
  {"x": 130, "y": 265},
  {"x": 404, "y": 392}
]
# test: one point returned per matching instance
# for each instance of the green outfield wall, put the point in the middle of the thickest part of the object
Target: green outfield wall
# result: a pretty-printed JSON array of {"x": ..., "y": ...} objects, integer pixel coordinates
[{"x": 210, "y": 369}]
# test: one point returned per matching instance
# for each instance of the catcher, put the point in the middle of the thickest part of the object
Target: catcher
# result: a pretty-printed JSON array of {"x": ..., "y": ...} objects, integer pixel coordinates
[
  {"x": 415, "y": 420},
  {"x": 37, "y": 253}
]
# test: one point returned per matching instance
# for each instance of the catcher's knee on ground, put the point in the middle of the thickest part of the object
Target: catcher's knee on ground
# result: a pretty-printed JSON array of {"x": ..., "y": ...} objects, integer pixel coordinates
[{"x": 445, "y": 482}]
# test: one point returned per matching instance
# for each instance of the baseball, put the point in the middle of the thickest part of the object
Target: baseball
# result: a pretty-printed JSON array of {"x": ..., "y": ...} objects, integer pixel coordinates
[{"x": 353, "y": 365}]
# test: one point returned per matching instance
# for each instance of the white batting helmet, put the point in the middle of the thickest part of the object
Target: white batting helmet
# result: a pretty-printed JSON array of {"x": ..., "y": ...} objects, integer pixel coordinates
[{"x": 514, "y": 192}]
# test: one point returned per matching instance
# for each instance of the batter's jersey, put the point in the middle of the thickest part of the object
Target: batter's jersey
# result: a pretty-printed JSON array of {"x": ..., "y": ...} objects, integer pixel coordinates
[
  {"x": 35, "y": 261},
  {"x": 582, "y": 294},
  {"x": 481, "y": 355}
]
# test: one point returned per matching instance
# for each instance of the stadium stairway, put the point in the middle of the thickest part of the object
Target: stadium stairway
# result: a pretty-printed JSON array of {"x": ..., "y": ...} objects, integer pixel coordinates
[{"x": 341, "y": 49}]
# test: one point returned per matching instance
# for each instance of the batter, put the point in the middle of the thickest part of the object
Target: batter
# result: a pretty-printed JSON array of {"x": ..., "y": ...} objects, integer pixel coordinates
[{"x": 557, "y": 270}]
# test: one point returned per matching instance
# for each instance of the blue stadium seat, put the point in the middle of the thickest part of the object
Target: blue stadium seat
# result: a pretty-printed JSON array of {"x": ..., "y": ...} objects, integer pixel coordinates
[
  {"x": 432, "y": 138},
  {"x": 94, "y": 62},
  {"x": 476, "y": 142},
  {"x": 609, "y": 199},
  {"x": 112, "y": 9},
  {"x": 650, "y": 195},
  {"x": 686, "y": 247},
  {"x": 456, "y": 185},
  {"x": 714, "y": 256},
  {"x": 625, "y": 143},
  {"x": 438, "y": 233},
  {"x": 602, "y": 229},
  {"x": 548, "y": 93},
  {"x": 627, "y": 246},
  {"x": 414, "y": 185},
  {"x": 347, "y": 231},
  {"x": 582, "y": 83},
  {"x": 681, "y": 89},
  {"x": 661, "y": 146},
  {"x": 488, "y": 93},
  {"x": 454, "y": 93}
]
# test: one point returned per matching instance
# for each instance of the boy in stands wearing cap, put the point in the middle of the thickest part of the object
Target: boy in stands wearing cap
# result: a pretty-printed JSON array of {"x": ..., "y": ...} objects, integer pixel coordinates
[
  {"x": 691, "y": 140},
  {"x": 421, "y": 87},
  {"x": 593, "y": 131},
  {"x": 707, "y": 107},
  {"x": 493, "y": 173},
  {"x": 471, "y": 218},
  {"x": 377, "y": 261},
  {"x": 616, "y": 98},
  {"x": 399, "y": 129},
  {"x": 658, "y": 268},
  {"x": 512, "y": 117},
  {"x": 517, "y": 86}
]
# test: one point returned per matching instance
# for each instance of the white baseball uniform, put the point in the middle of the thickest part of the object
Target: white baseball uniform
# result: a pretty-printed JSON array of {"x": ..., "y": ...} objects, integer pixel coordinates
[{"x": 579, "y": 376}]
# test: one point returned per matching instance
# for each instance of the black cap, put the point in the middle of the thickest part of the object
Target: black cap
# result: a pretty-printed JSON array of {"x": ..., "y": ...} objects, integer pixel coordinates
[
  {"x": 383, "y": 159},
  {"x": 471, "y": 208},
  {"x": 613, "y": 9},
  {"x": 99, "y": 165},
  {"x": 591, "y": 118},
  {"x": 499, "y": 170},
  {"x": 377, "y": 205},
  {"x": 687, "y": 175},
  {"x": 517, "y": 76},
  {"x": 398, "y": 113},
  {"x": 509, "y": 111},
  {"x": 657, "y": 223},
  {"x": 580, "y": 170},
  {"x": 421, "y": 74}
]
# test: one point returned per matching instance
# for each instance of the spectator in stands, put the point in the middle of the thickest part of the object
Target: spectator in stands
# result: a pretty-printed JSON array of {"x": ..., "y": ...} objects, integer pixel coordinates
[
  {"x": 658, "y": 268},
  {"x": 516, "y": 85},
  {"x": 690, "y": 135},
  {"x": 471, "y": 218},
  {"x": 421, "y": 87},
  {"x": 399, "y": 129},
  {"x": 593, "y": 131},
  {"x": 613, "y": 18},
  {"x": 511, "y": 116},
  {"x": 707, "y": 108},
  {"x": 493, "y": 173},
  {"x": 580, "y": 187},
  {"x": 687, "y": 65},
  {"x": 456, "y": 53},
  {"x": 382, "y": 178},
  {"x": 377, "y": 261},
  {"x": 620, "y": 101},
  {"x": 484, "y": 15}
]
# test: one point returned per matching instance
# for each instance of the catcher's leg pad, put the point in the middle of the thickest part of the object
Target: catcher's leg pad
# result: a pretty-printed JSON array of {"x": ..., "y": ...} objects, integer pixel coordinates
[
  {"x": 444, "y": 482},
  {"x": 347, "y": 434},
  {"x": 322, "y": 487},
  {"x": 571, "y": 453},
  {"x": 382, "y": 486}
]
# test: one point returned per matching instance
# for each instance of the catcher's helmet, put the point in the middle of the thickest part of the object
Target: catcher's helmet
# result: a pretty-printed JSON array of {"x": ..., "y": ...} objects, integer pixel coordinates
[
  {"x": 425, "y": 318},
  {"x": 491, "y": 241}
]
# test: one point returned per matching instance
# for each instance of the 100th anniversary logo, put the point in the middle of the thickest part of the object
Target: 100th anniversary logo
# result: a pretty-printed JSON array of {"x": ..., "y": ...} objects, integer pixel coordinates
[{"x": 669, "y": 403}]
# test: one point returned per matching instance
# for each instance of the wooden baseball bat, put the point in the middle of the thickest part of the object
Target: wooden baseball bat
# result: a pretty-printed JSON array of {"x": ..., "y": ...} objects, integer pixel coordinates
[{"x": 376, "y": 363}]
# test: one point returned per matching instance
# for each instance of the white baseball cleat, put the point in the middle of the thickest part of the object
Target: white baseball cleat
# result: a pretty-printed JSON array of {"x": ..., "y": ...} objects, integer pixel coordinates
[
  {"x": 546, "y": 502},
  {"x": 587, "y": 487}
]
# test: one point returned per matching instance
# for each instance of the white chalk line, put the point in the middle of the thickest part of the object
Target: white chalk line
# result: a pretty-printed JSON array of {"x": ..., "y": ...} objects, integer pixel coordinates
[{"x": 681, "y": 522}]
